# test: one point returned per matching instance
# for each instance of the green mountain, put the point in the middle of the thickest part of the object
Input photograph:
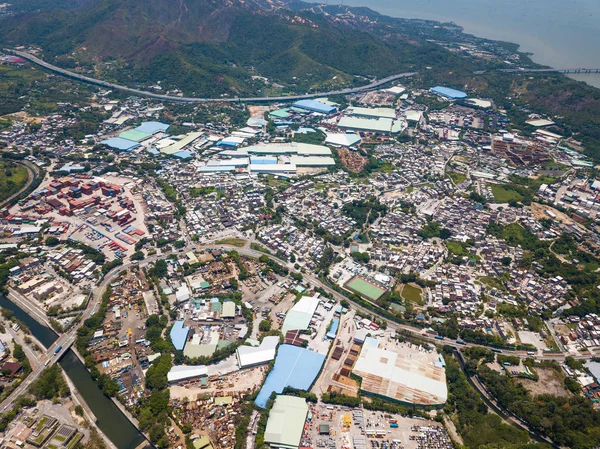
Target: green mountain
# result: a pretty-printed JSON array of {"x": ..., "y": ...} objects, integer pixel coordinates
[{"x": 214, "y": 47}]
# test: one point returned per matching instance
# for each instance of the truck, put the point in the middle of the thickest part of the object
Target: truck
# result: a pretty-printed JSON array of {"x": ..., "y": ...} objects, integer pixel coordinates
[{"x": 57, "y": 350}]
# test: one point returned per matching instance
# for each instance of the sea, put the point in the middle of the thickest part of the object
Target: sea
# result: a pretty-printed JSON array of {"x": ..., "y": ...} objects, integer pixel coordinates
[{"x": 559, "y": 33}]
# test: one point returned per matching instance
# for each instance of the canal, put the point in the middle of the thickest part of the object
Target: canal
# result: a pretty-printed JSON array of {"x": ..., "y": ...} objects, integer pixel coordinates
[{"x": 109, "y": 418}]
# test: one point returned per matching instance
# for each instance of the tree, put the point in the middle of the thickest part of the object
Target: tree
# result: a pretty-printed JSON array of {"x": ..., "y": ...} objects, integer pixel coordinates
[
  {"x": 264, "y": 326},
  {"x": 52, "y": 241},
  {"x": 138, "y": 255},
  {"x": 506, "y": 261},
  {"x": 159, "y": 270},
  {"x": 445, "y": 233}
]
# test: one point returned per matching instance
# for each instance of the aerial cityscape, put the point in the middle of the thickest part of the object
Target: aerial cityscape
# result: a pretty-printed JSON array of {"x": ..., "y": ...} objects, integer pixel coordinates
[{"x": 254, "y": 224}]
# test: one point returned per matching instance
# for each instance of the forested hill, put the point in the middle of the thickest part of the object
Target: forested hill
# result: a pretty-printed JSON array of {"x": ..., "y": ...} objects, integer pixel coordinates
[{"x": 214, "y": 47}]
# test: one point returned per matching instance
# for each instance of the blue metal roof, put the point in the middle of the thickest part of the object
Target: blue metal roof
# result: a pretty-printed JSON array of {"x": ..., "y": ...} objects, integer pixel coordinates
[
  {"x": 183, "y": 154},
  {"x": 294, "y": 367},
  {"x": 118, "y": 143},
  {"x": 333, "y": 329},
  {"x": 263, "y": 160},
  {"x": 448, "y": 92},
  {"x": 152, "y": 127},
  {"x": 314, "y": 105},
  {"x": 179, "y": 335}
]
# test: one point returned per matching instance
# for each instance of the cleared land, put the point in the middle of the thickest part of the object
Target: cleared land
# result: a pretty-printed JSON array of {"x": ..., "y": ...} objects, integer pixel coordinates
[
  {"x": 412, "y": 294},
  {"x": 233, "y": 242},
  {"x": 550, "y": 382},
  {"x": 365, "y": 288},
  {"x": 503, "y": 195}
]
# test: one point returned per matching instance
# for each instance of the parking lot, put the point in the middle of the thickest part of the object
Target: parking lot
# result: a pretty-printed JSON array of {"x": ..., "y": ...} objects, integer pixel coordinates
[{"x": 334, "y": 427}]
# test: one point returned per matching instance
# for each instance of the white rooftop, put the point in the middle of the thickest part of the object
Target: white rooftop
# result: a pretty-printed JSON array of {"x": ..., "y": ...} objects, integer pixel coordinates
[{"x": 257, "y": 355}]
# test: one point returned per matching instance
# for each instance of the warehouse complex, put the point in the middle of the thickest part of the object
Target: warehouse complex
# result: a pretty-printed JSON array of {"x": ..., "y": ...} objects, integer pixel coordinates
[
  {"x": 409, "y": 377},
  {"x": 272, "y": 158},
  {"x": 299, "y": 316},
  {"x": 130, "y": 140},
  {"x": 294, "y": 367},
  {"x": 286, "y": 422},
  {"x": 446, "y": 92},
  {"x": 249, "y": 356}
]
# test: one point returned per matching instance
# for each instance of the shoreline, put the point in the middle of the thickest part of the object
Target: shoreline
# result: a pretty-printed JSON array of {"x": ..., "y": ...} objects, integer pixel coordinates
[{"x": 540, "y": 50}]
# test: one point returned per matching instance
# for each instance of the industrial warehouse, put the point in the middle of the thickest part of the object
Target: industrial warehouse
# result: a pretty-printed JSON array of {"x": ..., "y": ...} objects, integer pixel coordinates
[
  {"x": 273, "y": 158},
  {"x": 415, "y": 377}
]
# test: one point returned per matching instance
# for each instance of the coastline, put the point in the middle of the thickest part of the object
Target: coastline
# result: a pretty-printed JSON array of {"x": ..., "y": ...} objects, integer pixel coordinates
[{"x": 548, "y": 37}]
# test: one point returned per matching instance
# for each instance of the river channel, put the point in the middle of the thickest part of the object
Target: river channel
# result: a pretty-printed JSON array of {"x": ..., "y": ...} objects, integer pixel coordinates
[{"x": 109, "y": 418}]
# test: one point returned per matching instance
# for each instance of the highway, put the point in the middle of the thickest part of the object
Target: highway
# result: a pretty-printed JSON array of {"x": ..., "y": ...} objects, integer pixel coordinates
[{"x": 144, "y": 93}]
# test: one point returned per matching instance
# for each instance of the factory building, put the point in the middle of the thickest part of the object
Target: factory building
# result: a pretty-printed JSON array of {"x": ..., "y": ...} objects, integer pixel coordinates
[
  {"x": 446, "y": 92},
  {"x": 249, "y": 356},
  {"x": 315, "y": 106},
  {"x": 374, "y": 125},
  {"x": 286, "y": 422},
  {"x": 415, "y": 378}
]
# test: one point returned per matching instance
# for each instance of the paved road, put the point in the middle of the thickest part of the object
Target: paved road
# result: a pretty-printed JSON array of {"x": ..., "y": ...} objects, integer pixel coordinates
[
  {"x": 315, "y": 282},
  {"x": 64, "y": 341},
  {"x": 106, "y": 84},
  {"x": 68, "y": 339}
]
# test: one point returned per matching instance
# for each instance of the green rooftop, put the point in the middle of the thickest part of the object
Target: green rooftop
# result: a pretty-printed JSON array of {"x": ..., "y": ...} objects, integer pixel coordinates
[{"x": 134, "y": 135}]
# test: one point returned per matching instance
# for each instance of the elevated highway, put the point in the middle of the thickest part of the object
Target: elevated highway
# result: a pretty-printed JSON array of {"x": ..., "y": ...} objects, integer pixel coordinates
[{"x": 89, "y": 80}]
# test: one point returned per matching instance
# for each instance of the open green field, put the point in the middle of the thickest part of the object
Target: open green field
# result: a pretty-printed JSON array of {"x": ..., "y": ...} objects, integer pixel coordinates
[
  {"x": 456, "y": 248},
  {"x": 412, "y": 294},
  {"x": 233, "y": 242},
  {"x": 493, "y": 282},
  {"x": 12, "y": 178},
  {"x": 365, "y": 288},
  {"x": 457, "y": 177},
  {"x": 503, "y": 195}
]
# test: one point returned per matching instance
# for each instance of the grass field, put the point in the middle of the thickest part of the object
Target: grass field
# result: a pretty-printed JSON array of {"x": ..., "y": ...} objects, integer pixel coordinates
[
  {"x": 456, "y": 248},
  {"x": 493, "y": 282},
  {"x": 412, "y": 294},
  {"x": 503, "y": 195},
  {"x": 233, "y": 242},
  {"x": 12, "y": 178},
  {"x": 365, "y": 288},
  {"x": 457, "y": 177}
]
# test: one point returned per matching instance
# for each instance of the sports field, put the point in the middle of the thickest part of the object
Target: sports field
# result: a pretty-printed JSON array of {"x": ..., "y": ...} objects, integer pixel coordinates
[{"x": 365, "y": 288}]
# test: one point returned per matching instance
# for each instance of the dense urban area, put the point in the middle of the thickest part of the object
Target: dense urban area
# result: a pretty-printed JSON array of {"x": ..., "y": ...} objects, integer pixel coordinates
[{"x": 411, "y": 266}]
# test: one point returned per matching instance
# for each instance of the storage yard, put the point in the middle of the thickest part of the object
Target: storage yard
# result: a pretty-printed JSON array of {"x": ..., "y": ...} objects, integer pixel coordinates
[{"x": 347, "y": 428}]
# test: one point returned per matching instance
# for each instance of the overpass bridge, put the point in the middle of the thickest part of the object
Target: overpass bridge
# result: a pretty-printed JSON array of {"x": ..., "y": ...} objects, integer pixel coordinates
[
  {"x": 90, "y": 80},
  {"x": 568, "y": 71},
  {"x": 49, "y": 358}
]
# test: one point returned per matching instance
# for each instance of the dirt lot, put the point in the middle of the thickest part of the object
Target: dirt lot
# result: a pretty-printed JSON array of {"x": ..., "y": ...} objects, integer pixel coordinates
[
  {"x": 258, "y": 111},
  {"x": 549, "y": 383},
  {"x": 539, "y": 211},
  {"x": 351, "y": 160},
  {"x": 237, "y": 382}
]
